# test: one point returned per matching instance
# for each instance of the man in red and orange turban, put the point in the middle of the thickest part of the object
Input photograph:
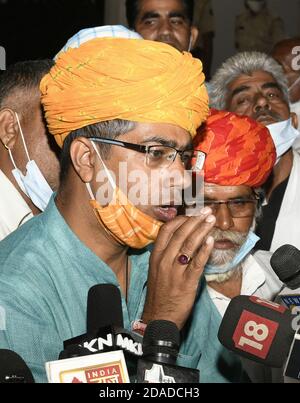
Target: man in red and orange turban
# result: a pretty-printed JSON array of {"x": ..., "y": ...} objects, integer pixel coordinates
[{"x": 240, "y": 158}]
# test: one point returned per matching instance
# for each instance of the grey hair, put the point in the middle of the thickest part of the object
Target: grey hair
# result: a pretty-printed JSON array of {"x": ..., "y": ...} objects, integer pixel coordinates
[{"x": 244, "y": 63}]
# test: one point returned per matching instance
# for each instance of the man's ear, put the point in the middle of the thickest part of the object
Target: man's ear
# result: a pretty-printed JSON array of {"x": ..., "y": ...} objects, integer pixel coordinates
[
  {"x": 83, "y": 157},
  {"x": 295, "y": 120},
  {"x": 8, "y": 128},
  {"x": 194, "y": 36}
]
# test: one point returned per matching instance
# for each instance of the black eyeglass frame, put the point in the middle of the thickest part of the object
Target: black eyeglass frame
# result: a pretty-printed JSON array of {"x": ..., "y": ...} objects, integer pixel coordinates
[
  {"x": 255, "y": 199},
  {"x": 144, "y": 149}
]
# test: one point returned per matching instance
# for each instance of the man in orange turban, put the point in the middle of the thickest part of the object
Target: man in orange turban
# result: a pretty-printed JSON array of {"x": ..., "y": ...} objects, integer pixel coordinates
[
  {"x": 240, "y": 157},
  {"x": 110, "y": 103},
  {"x": 110, "y": 85}
]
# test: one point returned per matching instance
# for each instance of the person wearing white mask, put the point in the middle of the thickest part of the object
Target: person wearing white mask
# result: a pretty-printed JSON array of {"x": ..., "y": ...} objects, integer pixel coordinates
[
  {"x": 29, "y": 165},
  {"x": 256, "y": 29},
  {"x": 287, "y": 53},
  {"x": 254, "y": 84}
]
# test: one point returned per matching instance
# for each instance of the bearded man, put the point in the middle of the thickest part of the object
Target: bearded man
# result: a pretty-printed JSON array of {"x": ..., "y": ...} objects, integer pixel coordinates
[{"x": 240, "y": 157}]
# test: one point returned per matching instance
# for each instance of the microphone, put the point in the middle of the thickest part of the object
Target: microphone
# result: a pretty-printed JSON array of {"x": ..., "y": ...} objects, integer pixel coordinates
[
  {"x": 104, "y": 307},
  {"x": 106, "y": 342},
  {"x": 258, "y": 330},
  {"x": 105, "y": 330},
  {"x": 160, "y": 351},
  {"x": 286, "y": 264},
  {"x": 13, "y": 368}
]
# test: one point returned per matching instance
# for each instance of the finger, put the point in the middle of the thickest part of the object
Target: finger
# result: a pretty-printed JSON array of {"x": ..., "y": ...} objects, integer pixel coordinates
[
  {"x": 192, "y": 244},
  {"x": 166, "y": 232},
  {"x": 195, "y": 269},
  {"x": 188, "y": 238}
]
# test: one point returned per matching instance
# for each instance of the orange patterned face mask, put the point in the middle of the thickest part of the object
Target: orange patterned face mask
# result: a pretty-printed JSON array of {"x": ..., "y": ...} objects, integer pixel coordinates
[{"x": 122, "y": 220}]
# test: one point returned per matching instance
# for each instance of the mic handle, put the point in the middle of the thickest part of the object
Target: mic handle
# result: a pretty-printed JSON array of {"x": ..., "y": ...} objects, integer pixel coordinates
[{"x": 154, "y": 372}]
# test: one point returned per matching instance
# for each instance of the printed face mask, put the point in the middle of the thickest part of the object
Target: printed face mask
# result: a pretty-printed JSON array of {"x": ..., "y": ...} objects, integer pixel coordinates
[{"x": 122, "y": 220}]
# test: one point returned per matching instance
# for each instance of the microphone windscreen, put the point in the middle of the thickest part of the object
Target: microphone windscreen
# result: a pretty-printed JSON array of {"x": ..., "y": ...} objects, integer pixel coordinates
[
  {"x": 13, "y": 368},
  {"x": 104, "y": 307},
  {"x": 286, "y": 264},
  {"x": 258, "y": 330}
]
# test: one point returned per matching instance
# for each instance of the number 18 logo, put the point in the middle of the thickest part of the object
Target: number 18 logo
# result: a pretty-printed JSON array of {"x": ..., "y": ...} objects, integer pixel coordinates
[{"x": 255, "y": 334}]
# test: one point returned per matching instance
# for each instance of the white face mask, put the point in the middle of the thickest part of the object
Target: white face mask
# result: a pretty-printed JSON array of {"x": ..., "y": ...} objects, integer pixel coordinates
[
  {"x": 33, "y": 183},
  {"x": 255, "y": 6},
  {"x": 284, "y": 135}
]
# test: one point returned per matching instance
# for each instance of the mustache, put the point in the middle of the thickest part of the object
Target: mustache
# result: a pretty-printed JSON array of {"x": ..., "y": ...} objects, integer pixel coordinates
[
  {"x": 237, "y": 238},
  {"x": 267, "y": 112}
]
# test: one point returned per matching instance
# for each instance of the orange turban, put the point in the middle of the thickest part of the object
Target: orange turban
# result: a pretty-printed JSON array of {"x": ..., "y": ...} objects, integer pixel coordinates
[
  {"x": 240, "y": 151},
  {"x": 113, "y": 78}
]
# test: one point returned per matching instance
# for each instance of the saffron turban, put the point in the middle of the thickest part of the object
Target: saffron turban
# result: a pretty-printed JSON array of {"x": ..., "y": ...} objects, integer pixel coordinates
[
  {"x": 116, "y": 78},
  {"x": 240, "y": 151}
]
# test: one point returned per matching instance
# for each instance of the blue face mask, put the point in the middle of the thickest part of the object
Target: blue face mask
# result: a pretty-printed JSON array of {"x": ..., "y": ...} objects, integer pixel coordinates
[{"x": 248, "y": 245}]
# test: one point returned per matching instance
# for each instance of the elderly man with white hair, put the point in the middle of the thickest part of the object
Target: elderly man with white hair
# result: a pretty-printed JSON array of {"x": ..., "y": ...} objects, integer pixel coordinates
[{"x": 253, "y": 84}]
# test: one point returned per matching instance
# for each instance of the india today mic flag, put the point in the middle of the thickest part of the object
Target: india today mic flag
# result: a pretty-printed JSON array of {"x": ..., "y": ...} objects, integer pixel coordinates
[{"x": 100, "y": 368}]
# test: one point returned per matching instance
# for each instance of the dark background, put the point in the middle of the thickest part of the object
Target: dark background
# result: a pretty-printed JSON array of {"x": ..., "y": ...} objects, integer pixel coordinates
[{"x": 34, "y": 29}]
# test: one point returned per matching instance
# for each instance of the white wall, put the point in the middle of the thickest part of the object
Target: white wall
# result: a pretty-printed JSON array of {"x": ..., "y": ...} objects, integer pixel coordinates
[{"x": 225, "y": 12}]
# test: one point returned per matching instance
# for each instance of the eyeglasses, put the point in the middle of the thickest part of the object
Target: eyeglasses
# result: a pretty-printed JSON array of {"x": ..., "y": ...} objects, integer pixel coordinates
[
  {"x": 159, "y": 156},
  {"x": 238, "y": 208}
]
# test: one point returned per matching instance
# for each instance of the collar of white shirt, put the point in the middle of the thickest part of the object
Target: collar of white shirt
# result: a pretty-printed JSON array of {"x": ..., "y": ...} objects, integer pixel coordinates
[
  {"x": 14, "y": 211},
  {"x": 256, "y": 281}
]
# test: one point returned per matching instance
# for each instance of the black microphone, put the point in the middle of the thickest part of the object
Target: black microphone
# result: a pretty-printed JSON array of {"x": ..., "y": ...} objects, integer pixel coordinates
[
  {"x": 160, "y": 351},
  {"x": 286, "y": 264},
  {"x": 258, "y": 330},
  {"x": 105, "y": 332},
  {"x": 104, "y": 307},
  {"x": 13, "y": 368}
]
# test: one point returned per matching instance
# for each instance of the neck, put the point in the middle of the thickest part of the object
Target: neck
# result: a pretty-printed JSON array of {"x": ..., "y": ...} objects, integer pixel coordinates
[
  {"x": 281, "y": 172},
  {"x": 75, "y": 208},
  {"x": 230, "y": 288},
  {"x": 7, "y": 167}
]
